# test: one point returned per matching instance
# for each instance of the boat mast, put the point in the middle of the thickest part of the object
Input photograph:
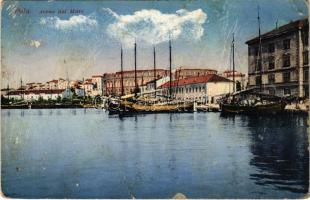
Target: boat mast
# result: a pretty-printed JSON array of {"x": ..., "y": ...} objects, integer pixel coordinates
[
  {"x": 233, "y": 54},
  {"x": 135, "y": 68},
  {"x": 259, "y": 52},
  {"x": 154, "y": 70},
  {"x": 8, "y": 92},
  {"x": 21, "y": 88},
  {"x": 170, "y": 89},
  {"x": 122, "y": 80},
  {"x": 84, "y": 91}
]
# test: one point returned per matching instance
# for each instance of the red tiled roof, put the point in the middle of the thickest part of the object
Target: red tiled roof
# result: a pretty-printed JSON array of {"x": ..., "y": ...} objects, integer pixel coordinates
[
  {"x": 196, "y": 80},
  {"x": 54, "y": 91},
  {"x": 194, "y": 68},
  {"x": 53, "y": 81},
  {"x": 236, "y": 75},
  {"x": 281, "y": 30},
  {"x": 97, "y": 76},
  {"x": 229, "y": 73}
]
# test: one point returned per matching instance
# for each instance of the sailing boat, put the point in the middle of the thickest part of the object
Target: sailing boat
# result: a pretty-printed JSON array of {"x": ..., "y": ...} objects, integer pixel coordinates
[
  {"x": 248, "y": 101},
  {"x": 133, "y": 105},
  {"x": 113, "y": 104}
]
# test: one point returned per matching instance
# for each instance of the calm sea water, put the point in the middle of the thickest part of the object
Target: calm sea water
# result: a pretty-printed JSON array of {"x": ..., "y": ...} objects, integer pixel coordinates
[{"x": 87, "y": 154}]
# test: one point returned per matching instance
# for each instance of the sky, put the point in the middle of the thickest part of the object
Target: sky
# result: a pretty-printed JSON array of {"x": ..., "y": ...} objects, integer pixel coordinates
[{"x": 44, "y": 40}]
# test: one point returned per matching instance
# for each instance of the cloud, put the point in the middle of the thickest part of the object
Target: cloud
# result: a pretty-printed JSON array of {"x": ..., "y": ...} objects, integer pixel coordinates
[
  {"x": 75, "y": 22},
  {"x": 154, "y": 27},
  {"x": 35, "y": 43}
]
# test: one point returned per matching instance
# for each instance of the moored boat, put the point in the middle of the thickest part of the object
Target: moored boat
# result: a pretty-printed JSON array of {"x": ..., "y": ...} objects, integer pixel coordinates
[
  {"x": 128, "y": 108},
  {"x": 259, "y": 108}
]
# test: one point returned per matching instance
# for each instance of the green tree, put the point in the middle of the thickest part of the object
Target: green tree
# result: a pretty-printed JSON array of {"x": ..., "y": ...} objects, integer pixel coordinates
[
  {"x": 58, "y": 100},
  {"x": 40, "y": 99}
]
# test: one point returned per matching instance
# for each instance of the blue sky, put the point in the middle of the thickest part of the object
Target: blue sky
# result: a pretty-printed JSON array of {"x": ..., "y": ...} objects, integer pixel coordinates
[{"x": 39, "y": 47}]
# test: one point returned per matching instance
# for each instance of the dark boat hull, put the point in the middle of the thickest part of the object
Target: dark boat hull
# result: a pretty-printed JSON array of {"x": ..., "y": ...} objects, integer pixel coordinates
[
  {"x": 113, "y": 108},
  {"x": 127, "y": 110},
  {"x": 273, "y": 108}
]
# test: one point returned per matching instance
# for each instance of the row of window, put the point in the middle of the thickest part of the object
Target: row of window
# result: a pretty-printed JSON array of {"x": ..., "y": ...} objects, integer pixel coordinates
[
  {"x": 189, "y": 90},
  {"x": 286, "y": 77},
  {"x": 144, "y": 74},
  {"x": 286, "y": 44},
  {"x": 286, "y": 91},
  {"x": 271, "y": 78},
  {"x": 286, "y": 61},
  {"x": 126, "y": 83}
]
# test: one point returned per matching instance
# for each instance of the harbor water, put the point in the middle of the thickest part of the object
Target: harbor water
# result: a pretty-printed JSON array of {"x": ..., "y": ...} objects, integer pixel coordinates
[{"x": 84, "y": 153}]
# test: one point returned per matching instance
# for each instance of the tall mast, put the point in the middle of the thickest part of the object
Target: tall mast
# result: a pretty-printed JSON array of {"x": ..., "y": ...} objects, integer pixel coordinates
[
  {"x": 170, "y": 89},
  {"x": 260, "y": 52},
  {"x": 84, "y": 93},
  {"x": 122, "y": 80},
  {"x": 67, "y": 76},
  {"x": 21, "y": 87},
  {"x": 233, "y": 54},
  {"x": 135, "y": 68},
  {"x": 8, "y": 92},
  {"x": 154, "y": 70}
]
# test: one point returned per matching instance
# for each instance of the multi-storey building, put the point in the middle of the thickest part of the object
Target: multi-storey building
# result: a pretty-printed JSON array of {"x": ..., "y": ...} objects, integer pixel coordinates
[
  {"x": 52, "y": 85},
  {"x": 33, "y": 95},
  {"x": 203, "y": 89},
  {"x": 112, "y": 81},
  {"x": 283, "y": 69},
  {"x": 239, "y": 77},
  {"x": 62, "y": 83},
  {"x": 186, "y": 72},
  {"x": 97, "y": 80}
]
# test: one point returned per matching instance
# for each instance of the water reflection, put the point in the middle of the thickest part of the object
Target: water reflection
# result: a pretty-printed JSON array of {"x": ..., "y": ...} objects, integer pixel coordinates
[
  {"x": 279, "y": 148},
  {"x": 22, "y": 113},
  {"x": 89, "y": 154}
]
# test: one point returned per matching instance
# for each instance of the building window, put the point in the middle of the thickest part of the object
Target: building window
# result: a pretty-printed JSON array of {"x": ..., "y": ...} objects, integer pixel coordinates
[
  {"x": 286, "y": 44},
  {"x": 306, "y": 74},
  {"x": 305, "y": 57},
  {"x": 271, "y": 62},
  {"x": 255, "y": 51},
  {"x": 271, "y": 78},
  {"x": 258, "y": 64},
  {"x": 271, "y": 48},
  {"x": 287, "y": 91},
  {"x": 286, "y": 60},
  {"x": 305, "y": 39},
  {"x": 258, "y": 80},
  {"x": 286, "y": 76}
]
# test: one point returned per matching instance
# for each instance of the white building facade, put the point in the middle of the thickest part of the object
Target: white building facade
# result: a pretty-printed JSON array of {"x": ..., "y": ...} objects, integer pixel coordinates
[{"x": 203, "y": 89}]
